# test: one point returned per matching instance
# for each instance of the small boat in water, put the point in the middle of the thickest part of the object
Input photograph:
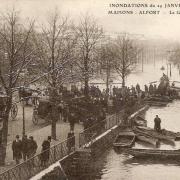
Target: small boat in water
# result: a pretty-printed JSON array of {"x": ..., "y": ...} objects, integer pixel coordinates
[
  {"x": 146, "y": 139},
  {"x": 156, "y": 103},
  {"x": 124, "y": 139},
  {"x": 154, "y": 153},
  {"x": 159, "y": 99},
  {"x": 149, "y": 132},
  {"x": 139, "y": 121}
]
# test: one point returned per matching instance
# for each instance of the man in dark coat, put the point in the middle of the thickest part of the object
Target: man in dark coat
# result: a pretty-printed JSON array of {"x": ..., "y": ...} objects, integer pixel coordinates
[
  {"x": 17, "y": 149},
  {"x": 72, "y": 120},
  {"x": 146, "y": 89},
  {"x": 45, "y": 151},
  {"x": 138, "y": 89},
  {"x": 25, "y": 143},
  {"x": 32, "y": 147},
  {"x": 151, "y": 89},
  {"x": 157, "y": 123},
  {"x": 70, "y": 141}
]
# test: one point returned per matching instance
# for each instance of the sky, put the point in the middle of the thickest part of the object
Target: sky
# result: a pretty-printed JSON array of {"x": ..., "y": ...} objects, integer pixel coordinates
[{"x": 164, "y": 25}]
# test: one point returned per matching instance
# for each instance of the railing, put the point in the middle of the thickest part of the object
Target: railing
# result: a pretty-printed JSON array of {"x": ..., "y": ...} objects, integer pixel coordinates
[
  {"x": 35, "y": 164},
  {"x": 89, "y": 134},
  {"x": 39, "y": 162}
]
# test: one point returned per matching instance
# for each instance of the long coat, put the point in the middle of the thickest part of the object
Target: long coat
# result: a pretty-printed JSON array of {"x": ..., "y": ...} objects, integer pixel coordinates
[
  {"x": 25, "y": 145},
  {"x": 17, "y": 149},
  {"x": 45, "y": 150},
  {"x": 32, "y": 147}
]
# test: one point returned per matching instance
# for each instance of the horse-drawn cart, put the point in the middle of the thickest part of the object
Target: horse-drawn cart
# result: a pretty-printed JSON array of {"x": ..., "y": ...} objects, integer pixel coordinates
[
  {"x": 42, "y": 111},
  {"x": 30, "y": 96}
]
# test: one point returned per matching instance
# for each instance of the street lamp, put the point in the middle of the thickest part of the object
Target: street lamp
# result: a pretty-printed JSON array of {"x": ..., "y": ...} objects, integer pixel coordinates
[
  {"x": 22, "y": 90},
  {"x": 23, "y": 112},
  {"x": 170, "y": 69}
]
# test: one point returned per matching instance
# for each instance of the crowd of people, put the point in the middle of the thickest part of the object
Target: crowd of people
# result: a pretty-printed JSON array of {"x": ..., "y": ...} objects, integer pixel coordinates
[
  {"x": 26, "y": 148},
  {"x": 73, "y": 108}
]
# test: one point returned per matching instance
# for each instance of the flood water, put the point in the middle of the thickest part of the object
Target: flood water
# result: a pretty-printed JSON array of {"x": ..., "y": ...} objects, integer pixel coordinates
[{"x": 118, "y": 166}]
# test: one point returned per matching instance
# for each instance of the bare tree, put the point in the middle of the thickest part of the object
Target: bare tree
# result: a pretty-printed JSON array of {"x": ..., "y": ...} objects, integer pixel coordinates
[
  {"x": 15, "y": 55},
  {"x": 107, "y": 56},
  {"x": 125, "y": 55},
  {"x": 55, "y": 48},
  {"x": 89, "y": 34}
]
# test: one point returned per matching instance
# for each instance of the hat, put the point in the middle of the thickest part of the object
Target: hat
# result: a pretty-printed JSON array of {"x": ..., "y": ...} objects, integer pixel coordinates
[{"x": 17, "y": 136}]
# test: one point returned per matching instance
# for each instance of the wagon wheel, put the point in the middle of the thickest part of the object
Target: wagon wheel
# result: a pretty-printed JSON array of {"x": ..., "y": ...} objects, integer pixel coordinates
[
  {"x": 35, "y": 117},
  {"x": 14, "y": 111}
]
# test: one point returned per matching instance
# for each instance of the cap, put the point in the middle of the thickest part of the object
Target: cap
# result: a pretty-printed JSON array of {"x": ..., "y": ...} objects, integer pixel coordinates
[{"x": 17, "y": 136}]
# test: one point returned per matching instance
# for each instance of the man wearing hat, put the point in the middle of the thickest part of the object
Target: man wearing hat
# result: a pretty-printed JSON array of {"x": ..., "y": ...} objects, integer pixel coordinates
[
  {"x": 32, "y": 147},
  {"x": 17, "y": 149},
  {"x": 45, "y": 151},
  {"x": 157, "y": 123}
]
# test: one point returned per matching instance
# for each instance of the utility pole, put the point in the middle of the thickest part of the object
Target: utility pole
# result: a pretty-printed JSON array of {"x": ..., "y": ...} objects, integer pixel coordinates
[
  {"x": 167, "y": 69},
  {"x": 23, "y": 111},
  {"x": 142, "y": 58},
  {"x": 107, "y": 77},
  {"x": 23, "y": 108},
  {"x": 154, "y": 56},
  {"x": 170, "y": 69}
]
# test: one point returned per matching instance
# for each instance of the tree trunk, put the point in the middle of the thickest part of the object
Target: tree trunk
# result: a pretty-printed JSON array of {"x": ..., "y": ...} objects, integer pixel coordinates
[
  {"x": 5, "y": 132},
  {"x": 86, "y": 80},
  {"x": 54, "y": 111},
  {"x": 86, "y": 87},
  {"x": 54, "y": 119},
  {"x": 123, "y": 81}
]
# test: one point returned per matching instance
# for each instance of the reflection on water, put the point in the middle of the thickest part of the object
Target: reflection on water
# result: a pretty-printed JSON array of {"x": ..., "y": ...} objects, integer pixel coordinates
[
  {"x": 114, "y": 166},
  {"x": 119, "y": 166}
]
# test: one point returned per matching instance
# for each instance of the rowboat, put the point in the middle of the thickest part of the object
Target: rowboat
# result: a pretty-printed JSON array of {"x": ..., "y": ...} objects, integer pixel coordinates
[
  {"x": 146, "y": 139},
  {"x": 124, "y": 139},
  {"x": 139, "y": 121},
  {"x": 149, "y": 132},
  {"x": 154, "y": 153},
  {"x": 156, "y": 103},
  {"x": 159, "y": 99}
]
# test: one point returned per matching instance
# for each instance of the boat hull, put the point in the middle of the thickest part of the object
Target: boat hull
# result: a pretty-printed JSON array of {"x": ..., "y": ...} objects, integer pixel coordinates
[
  {"x": 153, "y": 153},
  {"x": 124, "y": 140},
  {"x": 149, "y": 140},
  {"x": 148, "y": 132},
  {"x": 139, "y": 121}
]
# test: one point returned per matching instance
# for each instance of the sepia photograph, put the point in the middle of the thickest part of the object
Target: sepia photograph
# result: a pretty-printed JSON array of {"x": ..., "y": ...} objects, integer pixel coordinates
[{"x": 89, "y": 90}]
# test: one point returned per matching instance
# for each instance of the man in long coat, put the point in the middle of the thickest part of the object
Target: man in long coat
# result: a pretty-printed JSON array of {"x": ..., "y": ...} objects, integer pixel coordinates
[
  {"x": 157, "y": 123},
  {"x": 45, "y": 151},
  {"x": 25, "y": 143},
  {"x": 17, "y": 149}
]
